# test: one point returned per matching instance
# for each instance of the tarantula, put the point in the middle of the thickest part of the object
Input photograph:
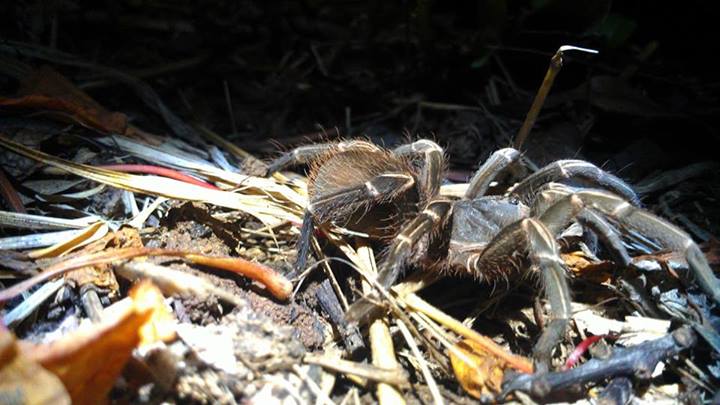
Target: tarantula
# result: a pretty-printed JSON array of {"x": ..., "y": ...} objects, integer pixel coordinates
[{"x": 394, "y": 194}]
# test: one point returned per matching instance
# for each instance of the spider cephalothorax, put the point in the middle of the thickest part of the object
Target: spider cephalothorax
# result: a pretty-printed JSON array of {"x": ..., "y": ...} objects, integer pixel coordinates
[{"x": 395, "y": 194}]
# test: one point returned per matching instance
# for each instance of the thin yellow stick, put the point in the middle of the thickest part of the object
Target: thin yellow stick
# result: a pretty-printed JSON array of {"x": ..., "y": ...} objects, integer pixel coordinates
[{"x": 517, "y": 362}]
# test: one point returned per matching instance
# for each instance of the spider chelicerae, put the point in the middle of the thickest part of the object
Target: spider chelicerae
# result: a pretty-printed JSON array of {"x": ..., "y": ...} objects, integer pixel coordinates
[{"x": 395, "y": 195}]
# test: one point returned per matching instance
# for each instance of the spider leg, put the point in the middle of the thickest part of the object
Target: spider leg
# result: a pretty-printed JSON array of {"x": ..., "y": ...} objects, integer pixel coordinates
[
  {"x": 654, "y": 227},
  {"x": 567, "y": 169},
  {"x": 303, "y": 243},
  {"x": 496, "y": 163},
  {"x": 433, "y": 216},
  {"x": 557, "y": 217},
  {"x": 342, "y": 203},
  {"x": 305, "y": 154},
  {"x": 608, "y": 235},
  {"x": 433, "y": 164},
  {"x": 651, "y": 226},
  {"x": 544, "y": 255},
  {"x": 543, "y": 252}
]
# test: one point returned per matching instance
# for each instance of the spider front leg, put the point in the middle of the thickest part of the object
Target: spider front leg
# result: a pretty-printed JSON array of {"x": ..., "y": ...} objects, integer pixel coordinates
[
  {"x": 485, "y": 174},
  {"x": 430, "y": 219}
]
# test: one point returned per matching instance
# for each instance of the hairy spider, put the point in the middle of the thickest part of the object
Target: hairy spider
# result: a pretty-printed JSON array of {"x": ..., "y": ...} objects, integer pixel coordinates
[{"x": 394, "y": 194}]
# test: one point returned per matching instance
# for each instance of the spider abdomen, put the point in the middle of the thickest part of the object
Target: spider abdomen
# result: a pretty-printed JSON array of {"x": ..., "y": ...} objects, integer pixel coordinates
[{"x": 365, "y": 190}]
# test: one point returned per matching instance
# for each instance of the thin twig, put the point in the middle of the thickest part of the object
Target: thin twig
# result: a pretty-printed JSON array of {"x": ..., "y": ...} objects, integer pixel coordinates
[
  {"x": 556, "y": 63},
  {"x": 320, "y": 396},
  {"x": 393, "y": 376},
  {"x": 422, "y": 363},
  {"x": 517, "y": 362}
]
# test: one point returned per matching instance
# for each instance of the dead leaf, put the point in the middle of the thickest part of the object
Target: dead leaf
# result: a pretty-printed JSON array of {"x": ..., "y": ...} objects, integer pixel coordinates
[
  {"x": 46, "y": 89},
  {"x": 89, "y": 361},
  {"x": 23, "y": 381},
  {"x": 597, "y": 272},
  {"x": 161, "y": 326},
  {"x": 479, "y": 373},
  {"x": 101, "y": 275}
]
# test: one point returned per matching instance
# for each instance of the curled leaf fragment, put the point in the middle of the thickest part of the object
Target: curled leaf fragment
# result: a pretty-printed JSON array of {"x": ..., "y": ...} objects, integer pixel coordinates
[{"x": 478, "y": 372}]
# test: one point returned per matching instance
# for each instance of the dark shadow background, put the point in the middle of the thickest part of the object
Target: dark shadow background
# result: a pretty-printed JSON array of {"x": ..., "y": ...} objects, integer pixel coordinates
[{"x": 461, "y": 72}]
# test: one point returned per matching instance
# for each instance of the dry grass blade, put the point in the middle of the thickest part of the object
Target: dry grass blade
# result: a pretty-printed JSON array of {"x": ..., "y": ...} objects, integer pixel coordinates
[
  {"x": 429, "y": 380},
  {"x": 36, "y": 240},
  {"x": 381, "y": 343},
  {"x": 27, "y": 307},
  {"x": 320, "y": 396},
  {"x": 88, "y": 235},
  {"x": 517, "y": 362},
  {"x": 261, "y": 207},
  {"x": 139, "y": 220},
  {"x": 556, "y": 63},
  {"x": 28, "y": 221},
  {"x": 204, "y": 169}
]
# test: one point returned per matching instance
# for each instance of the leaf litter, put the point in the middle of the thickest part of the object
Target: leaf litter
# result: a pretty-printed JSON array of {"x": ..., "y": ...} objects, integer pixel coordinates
[{"x": 182, "y": 290}]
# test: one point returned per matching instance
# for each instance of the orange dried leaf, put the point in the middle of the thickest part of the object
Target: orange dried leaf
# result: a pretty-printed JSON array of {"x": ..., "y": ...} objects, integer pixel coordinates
[
  {"x": 161, "y": 326},
  {"x": 479, "y": 373},
  {"x": 46, "y": 89},
  {"x": 598, "y": 272},
  {"x": 89, "y": 361},
  {"x": 23, "y": 381}
]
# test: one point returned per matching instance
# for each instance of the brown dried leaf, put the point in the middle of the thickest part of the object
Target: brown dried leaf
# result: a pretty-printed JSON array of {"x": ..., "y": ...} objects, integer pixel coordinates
[
  {"x": 89, "y": 361},
  {"x": 23, "y": 381},
  {"x": 46, "y": 89},
  {"x": 479, "y": 373},
  {"x": 101, "y": 275}
]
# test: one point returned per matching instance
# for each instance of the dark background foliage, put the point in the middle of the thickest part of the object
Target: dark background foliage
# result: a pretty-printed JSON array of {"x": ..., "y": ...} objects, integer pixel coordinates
[{"x": 297, "y": 69}]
